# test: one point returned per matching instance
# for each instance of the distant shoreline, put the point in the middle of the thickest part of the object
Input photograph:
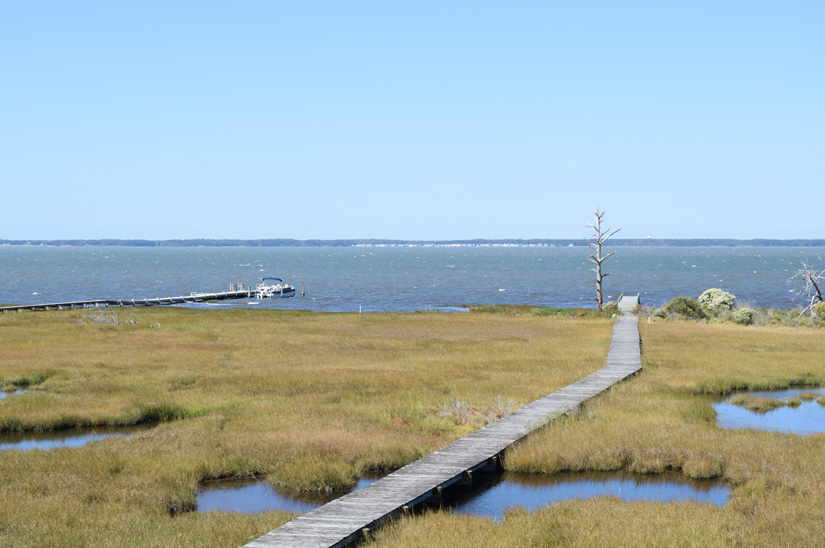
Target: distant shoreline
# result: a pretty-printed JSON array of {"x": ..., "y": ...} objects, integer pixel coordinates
[{"x": 579, "y": 242}]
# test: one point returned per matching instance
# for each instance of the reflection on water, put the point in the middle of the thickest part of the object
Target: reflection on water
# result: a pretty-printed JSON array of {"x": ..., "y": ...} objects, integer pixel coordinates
[
  {"x": 534, "y": 491},
  {"x": 71, "y": 438},
  {"x": 808, "y": 418},
  {"x": 258, "y": 496},
  {"x": 490, "y": 498}
]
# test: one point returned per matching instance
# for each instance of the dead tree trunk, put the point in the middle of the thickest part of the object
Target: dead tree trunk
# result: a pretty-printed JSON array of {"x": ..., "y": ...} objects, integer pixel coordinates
[
  {"x": 599, "y": 237},
  {"x": 811, "y": 279}
]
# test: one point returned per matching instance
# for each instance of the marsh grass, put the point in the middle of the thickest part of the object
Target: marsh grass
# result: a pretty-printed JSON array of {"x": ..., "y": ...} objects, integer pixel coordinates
[
  {"x": 661, "y": 421},
  {"x": 310, "y": 401},
  {"x": 759, "y": 404},
  {"x": 24, "y": 381},
  {"x": 518, "y": 310},
  {"x": 107, "y": 316}
]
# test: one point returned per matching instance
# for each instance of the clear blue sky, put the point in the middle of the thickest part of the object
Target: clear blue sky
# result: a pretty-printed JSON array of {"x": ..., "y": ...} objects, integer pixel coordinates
[{"x": 411, "y": 120}]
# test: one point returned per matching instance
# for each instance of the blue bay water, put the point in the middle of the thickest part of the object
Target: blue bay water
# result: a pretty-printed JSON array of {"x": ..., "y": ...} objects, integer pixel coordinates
[{"x": 402, "y": 279}]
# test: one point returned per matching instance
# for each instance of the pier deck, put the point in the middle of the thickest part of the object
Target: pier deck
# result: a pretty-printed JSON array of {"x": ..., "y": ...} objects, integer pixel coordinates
[
  {"x": 352, "y": 516},
  {"x": 157, "y": 301}
]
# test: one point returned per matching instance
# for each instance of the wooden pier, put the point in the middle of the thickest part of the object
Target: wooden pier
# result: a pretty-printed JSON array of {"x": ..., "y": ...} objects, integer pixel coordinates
[
  {"x": 236, "y": 291},
  {"x": 157, "y": 301},
  {"x": 351, "y": 517}
]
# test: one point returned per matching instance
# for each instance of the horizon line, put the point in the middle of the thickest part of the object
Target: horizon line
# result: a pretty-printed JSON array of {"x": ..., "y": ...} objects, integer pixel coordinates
[{"x": 352, "y": 242}]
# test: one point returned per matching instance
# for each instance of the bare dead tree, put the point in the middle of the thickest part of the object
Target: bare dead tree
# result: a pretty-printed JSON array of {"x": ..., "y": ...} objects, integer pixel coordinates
[
  {"x": 599, "y": 237},
  {"x": 811, "y": 280}
]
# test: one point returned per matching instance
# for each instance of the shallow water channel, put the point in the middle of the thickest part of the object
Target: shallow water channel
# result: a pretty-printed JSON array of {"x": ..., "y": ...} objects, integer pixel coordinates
[
  {"x": 71, "y": 438},
  {"x": 255, "y": 496},
  {"x": 490, "y": 497},
  {"x": 15, "y": 393},
  {"x": 808, "y": 418},
  {"x": 534, "y": 491}
]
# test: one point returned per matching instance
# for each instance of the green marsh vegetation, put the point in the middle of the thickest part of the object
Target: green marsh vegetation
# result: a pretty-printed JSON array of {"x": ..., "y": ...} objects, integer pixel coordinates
[
  {"x": 307, "y": 400},
  {"x": 718, "y": 306},
  {"x": 662, "y": 420},
  {"x": 763, "y": 404}
]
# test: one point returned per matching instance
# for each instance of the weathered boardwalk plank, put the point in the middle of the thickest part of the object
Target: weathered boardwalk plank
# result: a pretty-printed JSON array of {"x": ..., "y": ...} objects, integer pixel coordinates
[{"x": 346, "y": 519}]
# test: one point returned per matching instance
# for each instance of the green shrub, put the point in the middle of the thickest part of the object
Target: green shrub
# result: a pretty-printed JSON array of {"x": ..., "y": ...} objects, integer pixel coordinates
[
  {"x": 819, "y": 310},
  {"x": 716, "y": 299},
  {"x": 610, "y": 306},
  {"x": 686, "y": 307},
  {"x": 743, "y": 316}
]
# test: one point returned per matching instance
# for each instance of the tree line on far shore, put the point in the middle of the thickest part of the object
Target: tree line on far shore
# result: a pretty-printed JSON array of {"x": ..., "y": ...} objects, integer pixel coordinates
[{"x": 286, "y": 242}]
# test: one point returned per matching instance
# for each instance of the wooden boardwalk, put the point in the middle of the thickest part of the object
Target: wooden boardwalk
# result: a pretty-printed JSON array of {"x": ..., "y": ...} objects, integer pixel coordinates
[
  {"x": 352, "y": 516},
  {"x": 628, "y": 304}
]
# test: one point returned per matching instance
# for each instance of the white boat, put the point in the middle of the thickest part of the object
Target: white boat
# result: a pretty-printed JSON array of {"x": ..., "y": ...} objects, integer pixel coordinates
[{"x": 279, "y": 290}]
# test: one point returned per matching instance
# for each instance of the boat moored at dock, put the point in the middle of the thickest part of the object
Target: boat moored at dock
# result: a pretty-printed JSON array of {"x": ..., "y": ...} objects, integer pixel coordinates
[
  {"x": 279, "y": 290},
  {"x": 263, "y": 290}
]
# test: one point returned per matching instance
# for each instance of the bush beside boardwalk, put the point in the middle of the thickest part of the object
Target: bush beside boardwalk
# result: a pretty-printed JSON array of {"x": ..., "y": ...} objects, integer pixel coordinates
[
  {"x": 309, "y": 400},
  {"x": 715, "y": 305},
  {"x": 662, "y": 420}
]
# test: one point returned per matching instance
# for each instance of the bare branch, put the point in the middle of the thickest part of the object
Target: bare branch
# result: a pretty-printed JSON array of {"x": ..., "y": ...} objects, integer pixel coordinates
[
  {"x": 810, "y": 278},
  {"x": 600, "y": 236}
]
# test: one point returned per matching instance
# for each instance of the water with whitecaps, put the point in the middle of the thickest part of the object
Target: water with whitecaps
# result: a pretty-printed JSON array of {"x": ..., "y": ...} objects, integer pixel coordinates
[{"x": 402, "y": 279}]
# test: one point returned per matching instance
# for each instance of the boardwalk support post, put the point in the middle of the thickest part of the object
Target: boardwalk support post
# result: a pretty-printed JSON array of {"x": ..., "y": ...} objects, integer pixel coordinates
[{"x": 467, "y": 480}]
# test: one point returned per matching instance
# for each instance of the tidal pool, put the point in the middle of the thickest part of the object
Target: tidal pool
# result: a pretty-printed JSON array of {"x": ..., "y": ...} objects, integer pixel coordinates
[
  {"x": 71, "y": 438},
  {"x": 534, "y": 491},
  {"x": 256, "y": 496},
  {"x": 808, "y": 418}
]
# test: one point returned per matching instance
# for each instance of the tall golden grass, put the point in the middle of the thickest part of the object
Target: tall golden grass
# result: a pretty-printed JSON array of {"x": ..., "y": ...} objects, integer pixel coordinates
[
  {"x": 310, "y": 400},
  {"x": 662, "y": 420}
]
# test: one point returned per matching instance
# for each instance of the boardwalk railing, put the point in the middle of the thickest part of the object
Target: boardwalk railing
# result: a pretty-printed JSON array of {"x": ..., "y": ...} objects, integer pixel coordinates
[{"x": 350, "y": 517}]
